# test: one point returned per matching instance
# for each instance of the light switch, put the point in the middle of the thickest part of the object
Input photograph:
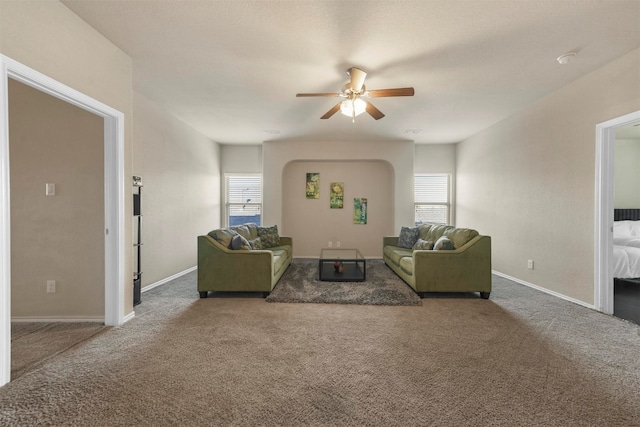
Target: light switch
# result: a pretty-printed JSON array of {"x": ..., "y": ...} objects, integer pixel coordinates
[{"x": 50, "y": 189}]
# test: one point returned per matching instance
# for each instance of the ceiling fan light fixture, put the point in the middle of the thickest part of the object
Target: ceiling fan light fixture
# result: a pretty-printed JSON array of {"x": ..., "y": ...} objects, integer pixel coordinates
[{"x": 353, "y": 107}]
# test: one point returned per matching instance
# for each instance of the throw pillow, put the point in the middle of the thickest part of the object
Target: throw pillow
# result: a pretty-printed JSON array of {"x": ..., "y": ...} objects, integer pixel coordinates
[
  {"x": 223, "y": 236},
  {"x": 269, "y": 236},
  {"x": 239, "y": 242},
  {"x": 256, "y": 244},
  {"x": 242, "y": 230},
  {"x": 408, "y": 237},
  {"x": 443, "y": 244},
  {"x": 423, "y": 245}
]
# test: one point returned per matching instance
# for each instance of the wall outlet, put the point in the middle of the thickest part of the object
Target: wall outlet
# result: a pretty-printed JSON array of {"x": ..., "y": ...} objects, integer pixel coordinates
[
  {"x": 530, "y": 264},
  {"x": 51, "y": 286},
  {"x": 338, "y": 244},
  {"x": 330, "y": 244}
]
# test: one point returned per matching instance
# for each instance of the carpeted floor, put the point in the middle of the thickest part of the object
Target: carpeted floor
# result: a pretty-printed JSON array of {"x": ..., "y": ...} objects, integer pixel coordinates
[
  {"x": 33, "y": 343},
  {"x": 522, "y": 358},
  {"x": 300, "y": 283}
]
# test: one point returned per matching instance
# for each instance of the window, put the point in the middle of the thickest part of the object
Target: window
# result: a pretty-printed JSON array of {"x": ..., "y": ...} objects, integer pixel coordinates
[
  {"x": 431, "y": 199},
  {"x": 243, "y": 198}
]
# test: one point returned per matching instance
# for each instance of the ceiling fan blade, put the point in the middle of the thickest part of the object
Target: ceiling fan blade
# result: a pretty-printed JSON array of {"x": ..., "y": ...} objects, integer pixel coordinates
[
  {"x": 402, "y": 91},
  {"x": 374, "y": 112},
  {"x": 332, "y": 111},
  {"x": 317, "y": 94},
  {"x": 357, "y": 78}
]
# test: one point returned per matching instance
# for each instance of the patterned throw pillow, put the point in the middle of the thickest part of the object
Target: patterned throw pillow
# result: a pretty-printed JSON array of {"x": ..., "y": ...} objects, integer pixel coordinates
[
  {"x": 443, "y": 244},
  {"x": 239, "y": 242},
  {"x": 256, "y": 244},
  {"x": 269, "y": 236},
  {"x": 408, "y": 237},
  {"x": 423, "y": 245}
]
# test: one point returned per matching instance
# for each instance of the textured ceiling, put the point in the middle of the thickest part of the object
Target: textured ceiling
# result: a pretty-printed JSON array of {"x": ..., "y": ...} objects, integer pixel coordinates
[{"x": 231, "y": 69}]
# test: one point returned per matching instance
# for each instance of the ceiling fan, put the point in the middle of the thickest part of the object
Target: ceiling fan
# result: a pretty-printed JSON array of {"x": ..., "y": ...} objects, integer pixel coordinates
[{"x": 353, "y": 92}]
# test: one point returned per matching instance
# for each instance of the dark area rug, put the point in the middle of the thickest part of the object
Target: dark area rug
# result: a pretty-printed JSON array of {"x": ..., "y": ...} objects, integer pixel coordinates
[{"x": 300, "y": 284}]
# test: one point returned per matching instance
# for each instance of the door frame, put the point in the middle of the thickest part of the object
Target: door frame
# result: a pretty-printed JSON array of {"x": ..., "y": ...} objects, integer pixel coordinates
[
  {"x": 605, "y": 153},
  {"x": 113, "y": 197}
]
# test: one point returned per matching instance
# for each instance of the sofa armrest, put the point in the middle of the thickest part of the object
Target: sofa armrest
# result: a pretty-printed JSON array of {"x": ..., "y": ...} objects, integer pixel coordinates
[
  {"x": 232, "y": 269},
  {"x": 390, "y": 241},
  {"x": 466, "y": 269},
  {"x": 285, "y": 240}
]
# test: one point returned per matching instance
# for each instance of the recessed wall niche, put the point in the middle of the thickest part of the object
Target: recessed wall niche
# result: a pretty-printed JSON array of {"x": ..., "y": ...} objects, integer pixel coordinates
[{"x": 313, "y": 224}]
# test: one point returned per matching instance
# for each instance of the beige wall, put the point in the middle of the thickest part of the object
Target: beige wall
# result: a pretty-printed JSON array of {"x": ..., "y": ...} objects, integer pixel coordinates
[
  {"x": 52, "y": 141},
  {"x": 181, "y": 194},
  {"x": 529, "y": 181},
  {"x": 241, "y": 158},
  {"x": 627, "y": 174},
  {"x": 49, "y": 38},
  {"x": 398, "y": 155},
  {"x": 312, "y": 223}
]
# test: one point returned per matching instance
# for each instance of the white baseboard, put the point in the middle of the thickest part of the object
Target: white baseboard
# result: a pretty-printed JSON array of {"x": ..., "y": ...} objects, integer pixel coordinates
[
  {"x": 546, "y": 291},
  {"x": 129, "y": 316},
  {"x": 168, "y": 279},
  {"x": 47, "y": 319}
]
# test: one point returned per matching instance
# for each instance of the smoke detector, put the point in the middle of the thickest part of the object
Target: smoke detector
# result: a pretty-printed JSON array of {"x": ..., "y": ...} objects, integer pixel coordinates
[{"x": 566, "y": 58}]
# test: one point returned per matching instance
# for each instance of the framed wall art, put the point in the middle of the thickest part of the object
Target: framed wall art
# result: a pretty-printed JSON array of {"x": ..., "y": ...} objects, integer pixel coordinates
[
  {"x": 336, "y": 195},
  {"x": 313, "y": 185},
  {"x": 359, "y": 210}
]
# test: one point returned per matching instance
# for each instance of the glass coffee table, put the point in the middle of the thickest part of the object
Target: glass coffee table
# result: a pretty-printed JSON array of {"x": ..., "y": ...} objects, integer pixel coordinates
[{"x": 341, "y": 265}]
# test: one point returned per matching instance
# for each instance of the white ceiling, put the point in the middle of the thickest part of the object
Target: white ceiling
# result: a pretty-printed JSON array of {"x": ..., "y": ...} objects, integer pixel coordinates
[{"x": 231, "y": 69}]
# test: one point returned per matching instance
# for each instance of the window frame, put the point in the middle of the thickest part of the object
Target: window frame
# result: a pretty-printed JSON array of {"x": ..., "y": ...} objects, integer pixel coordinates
[
  {"x": 446, "y": 204},
  {"x": 228, "y": 205}
]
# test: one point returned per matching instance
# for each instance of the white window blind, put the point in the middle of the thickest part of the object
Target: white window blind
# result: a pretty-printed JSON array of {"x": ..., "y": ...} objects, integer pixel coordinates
[
  {"x": 243, "y": 199},
  {"x": 431, "y": 199}
]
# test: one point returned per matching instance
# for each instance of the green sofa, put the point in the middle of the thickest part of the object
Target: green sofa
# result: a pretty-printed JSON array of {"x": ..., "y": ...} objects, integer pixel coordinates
[
  {"x": 253, "y": 263},
  {"x": 460, "y": 263}
]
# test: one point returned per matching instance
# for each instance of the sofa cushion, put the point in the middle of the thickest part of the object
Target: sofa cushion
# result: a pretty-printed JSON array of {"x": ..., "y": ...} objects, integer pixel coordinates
[
  {"x": 408, "y": 237},
  {"x": 395, "y": 253},
  {"x": 423, "y": 245},
  {"x": 424, "y": 229},
  {"x": 406, "y": 264},
  {"x": 223, "y": 236},
  {"x": 279, "y": 260},
  {"x": 256, "y": 244},
  {"x": 239, "y": 242},
  {"x": 286, "y": 250},
  {"x": 443, "y": 244},
  {"x": 435, "y": 232},
  {"x": 460, "y": 236},
  {"x": 242, "y": 230},
  {"x": 269, "y": 236}
]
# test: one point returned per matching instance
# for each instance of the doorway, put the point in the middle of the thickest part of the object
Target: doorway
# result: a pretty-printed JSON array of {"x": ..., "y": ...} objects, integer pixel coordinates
[
  {"x": 604, "y": 205},
  {"x": 113, "y": 198}
]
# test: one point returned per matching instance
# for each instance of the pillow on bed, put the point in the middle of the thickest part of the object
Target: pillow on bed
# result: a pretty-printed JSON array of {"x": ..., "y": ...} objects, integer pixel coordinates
[{"x": 626, "y": 228}]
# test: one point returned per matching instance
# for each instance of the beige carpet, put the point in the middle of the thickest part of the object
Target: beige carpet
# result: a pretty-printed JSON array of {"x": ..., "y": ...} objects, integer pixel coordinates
[
  {"x": 522, "y": 358},
  {"x": 33, "y": 343}
]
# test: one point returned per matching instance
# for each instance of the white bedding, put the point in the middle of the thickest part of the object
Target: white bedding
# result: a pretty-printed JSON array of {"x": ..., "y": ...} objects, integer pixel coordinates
[
  {"x": 626, "y": 249},
  {"x": 626, "y": 262}
]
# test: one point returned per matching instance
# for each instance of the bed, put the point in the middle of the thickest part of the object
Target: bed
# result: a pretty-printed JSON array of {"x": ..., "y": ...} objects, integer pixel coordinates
[{"x": 626, "y": 244}]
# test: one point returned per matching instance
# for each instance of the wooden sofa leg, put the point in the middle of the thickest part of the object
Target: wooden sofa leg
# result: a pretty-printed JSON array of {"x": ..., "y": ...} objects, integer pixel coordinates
[
  {"x": 203, "y": 294},
  {"x": 484, "y": 295}
]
